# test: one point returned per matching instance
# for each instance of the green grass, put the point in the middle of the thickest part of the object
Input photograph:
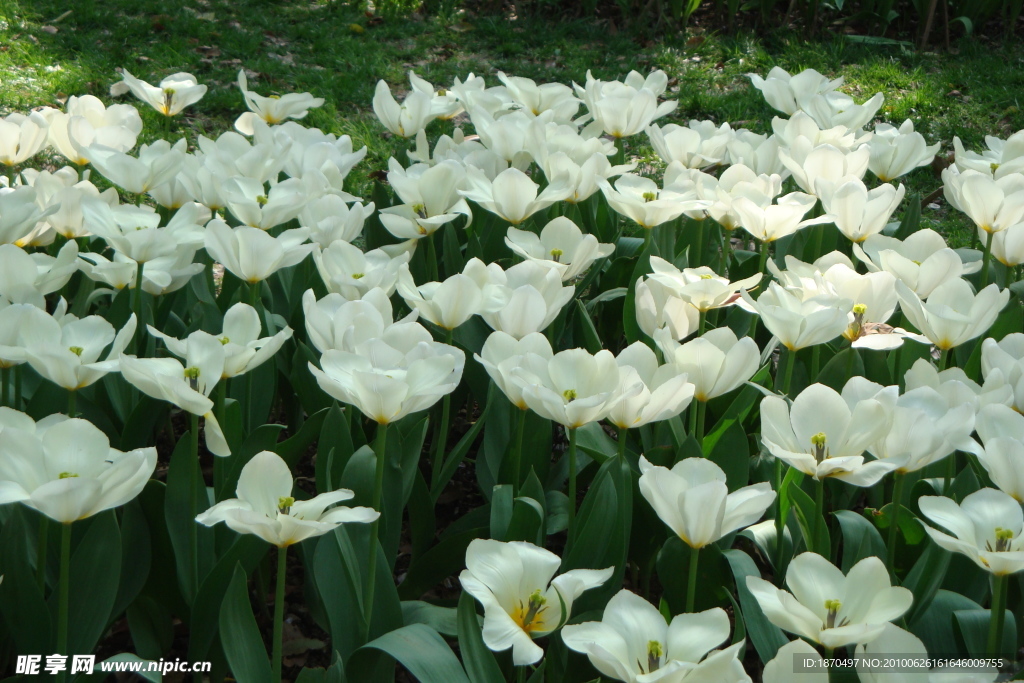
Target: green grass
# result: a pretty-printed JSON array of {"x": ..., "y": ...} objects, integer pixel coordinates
[{"x": 339, "y": 53}]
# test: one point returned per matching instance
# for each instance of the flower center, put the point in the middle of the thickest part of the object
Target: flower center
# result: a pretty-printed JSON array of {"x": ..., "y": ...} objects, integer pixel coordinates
[
  {"x": 833, "y": 607},
  {"x": 707, "y": 276},
  {"x": 556, "y": 254},
  {"x": 67, "y": 475},
  {"x": 284, "y": 504},
  {"x": 225, "y": 340},
  {"x": 262, "y": 200},
  {"x": 530, "y": 616},
  {"x": 192, "y": 375},
  {"x": 569, "y": 395},
  {"x": 77, "y": 350},
  {"x": 857, "y": 326},
  {"x": 649, "y": 196},
  {"x": 1003, "y": 539},
  {"x": 818, "y": 442},
  {"x": 654, "y": 654},
  {"x": 357, "y": 276},
  {"x": 419, "y": 210}
]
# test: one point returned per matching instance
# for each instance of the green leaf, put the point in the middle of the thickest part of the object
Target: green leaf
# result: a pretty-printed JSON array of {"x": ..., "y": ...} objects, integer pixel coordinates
[
  {"x": 860, "y": 539},
  {"x": 136, "y": 555},
  {"x": 766, "y": 636},
  {"x": 911, "y": 222},
  {"x": 935, "y": 626},
  {"x": 95, "y": 573},
  {"x": 444, "y": 620},
  {"x": 151, "y": 627},
  {"x": 587, "y": 332},
  {"x": 925, "y": 578},
  {"x": 240, "y": 636},
  {"x": 19, "y": 592},
  {"x": 731, "y": 452},
  {"x": 418, "y": 648},
  {"x": 971, "y": 630},
  {"x": 479, "y": 661},
  {"x": 806, "y": 513},
  {"x": 181, "y": 517},
  {"x": 443, "y": 560},
  {"x": 910, "y": 526},
  {"x": 143, "y": 672},
  {"x": 844, "y": 365}
]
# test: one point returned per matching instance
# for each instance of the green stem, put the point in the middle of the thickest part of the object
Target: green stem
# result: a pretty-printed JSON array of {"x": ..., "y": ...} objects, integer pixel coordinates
[
  {"x": 72, "y": 398},
  {"x": 193, "y": 500},
  {"x": 432, "y": 258},
  {"x": 282, "y": 557},
  {"x": 5, "y": 378},
  {"x": 897, "y": 496},
  {"x": 780, "y": 528},
  {"x": 819, "y": 516},
  {"x": 702, "y": 323},
  {"x": 17, "y": 387},
  {"x": 380, "y": 449},
  {"x": 787, "y": 378},
  {"x": 521, "y": 672},
  {"x": 137, "y": 306},
  {"x": 621, "y": 431},
  {"x": 726, "y": 251},
  {"x": 697, "y": 424},
  {"x": 986, "y": 258},
  {"x": 943, "y": 359},
  {"x": 441, "y": 435},
  {"x": 691, "y": 580},
  {"x": 764, "y": 257},
  {"x": 41, "y": 553},
  {"x": 700, "y": 245},
  {"x": 998, "y": 613},
  {"x": 517, "y": 454},
  {"x": 572, "y": 480},
  {"x": 62, "y": 604},
  {"x": 815, "y": 362}
]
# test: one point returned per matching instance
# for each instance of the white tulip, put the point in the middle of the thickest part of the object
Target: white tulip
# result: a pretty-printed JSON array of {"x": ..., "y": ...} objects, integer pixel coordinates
[
  {"x": 535, "y": 296},
  {"x": 22, "y": 137},
  {"x": 665, "y": 391},
  {"x": 272, "y": 109},
  {"x": 987, "y": 527},
  {"x": 716, "y": 362},
  {"x": 799, "y": 323},
  {"x": 253, "y": 255},
  {"x": 561, "y": 245},
  {"x": 174, "y": 93},
  {"x": 345, "y": 269},
  {"x": 658, "y": 306},
  {"x": 574, "y": 388},
  {"x": 511, "y": 196},
  {"x": 898, "y": 151},
  {"x": 450, "y": 303},
  {"x": 953, "y": 314}
]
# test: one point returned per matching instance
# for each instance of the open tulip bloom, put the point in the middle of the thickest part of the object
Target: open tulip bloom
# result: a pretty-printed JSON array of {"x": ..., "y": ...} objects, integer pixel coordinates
[
  {"x": 829, "y": 608},
  {"x": 174, "y": 93},
  {"x": 521, "y": 596},
  {"x": 633, "y": 643},
  {"x": 272, "y": 109},
  {"x": 561, "y": 245},
  {"x": 987, "y": 527}
]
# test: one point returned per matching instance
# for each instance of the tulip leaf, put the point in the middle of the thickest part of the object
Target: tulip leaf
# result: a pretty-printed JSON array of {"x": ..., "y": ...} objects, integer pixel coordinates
[
  {"x": 180, "y": 517},
  {"x": 334, "y": 447},
  {"x": 731, "y": 452},
  {"x": 246, "y": 552},
  {"x": 138, "y": 428},
  {"x": 453, "y": 259},
  {"x": 95, "y": 574},
  {"x": 136, "y": 555},
  {"x": 925, "y": 578},
  {"x": 444, "y": 620},
  {"x": 971, "y": 631},
  {"x": 151, "y": 627},
  {"x": 585, "y": 327},
  {"x": 19, "y": 592},
  {"x": 860, "y": 539},
  {"x": 910, "y": 526},
  {"x": 766, "y": 636},
  {"x": 480, "y": 663},
  {"x": 240, "y": 636},
  {"x": 422, "y": 521},
  {"x": 418, "y": 648},
  {"x": 307, "y": 390},
  {"x": 457, "y": 454},
  {"x": 840, "y": 368},
  {"x": 805, "y": 516},
  {"x": 443, "y": 560},
  {"x": 911, "y": 222},
  {"x": 592, "y": 439},
  {"x": 738, "y": 409},
  {"x": 935, "y": 625},
  {"x": 501, "y": 510},
  {"x": 294, "y": 447}
]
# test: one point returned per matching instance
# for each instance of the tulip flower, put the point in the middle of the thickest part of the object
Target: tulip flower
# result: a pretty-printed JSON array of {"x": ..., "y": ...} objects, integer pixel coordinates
[
  {"x": 521, "y": 596},
  {"x": 769, "y": 222},
  {"x": 802, "y": 125},
  {"x": 266, "y": 507},
  {"x": 739, "y": 180},
  {"x": 956, "y": 388},
  {"x": 86, "y": 121},
  {"x": 1003, "y": 157},
  {"x": 155, "y": 165},
  {"x": 996, "y": 421},
  {"x": 1006, "y": 357},
  {"x": 26, "y": 278},
  {"x": 430, "y": 198},
  {"x": 334, "y": 322},
  {"x": 701, "y": 287},
  {"x": 581, "y": 176},
  {"x": 253, "y": 255},
  {"x": 535, "y": 99},
  {"x": 801, "y": 323},
  {"x": 694, "y": 502},
  {"x": 253, "y": 205},
  {"x": 244, "y": 349},
  {"x": 535, "y": 296},
  {"x": 345, "y": 269},
  {"x": 561, "y": 245},
  {"x": 857, "y": 211},
  {"x": 12, "y": 348},
  {"x": 389, "y": 379},
  {"x": 895, "y": 642},
  {"x": 791, "y": 93},
  {"x": 65, "y": 468},
  {"x": 922, "y": 261},
  {"x": 502, "y": 354},
  {"x": 506, "y": 136},
  {"x": 829, "y": 608},
  {"x": 716, "y": 362},
  {"x": 640, "y": 200},
  {"x": 135, "y": 232},
  {"x": 665, "y": 391},
  {"x": 633, "y": 643},
  {"x": 22, "y": 137},
  {"x": 404, "y": 119},
  {"x": 986, "y": 527},
  {"x": 1008, "y": 245},
  {"x": 760, "y": 153},
  {"x": 782, "y": 668},
  {"x": 658, "y": 306},
  {"x": 993, "y": 204},
  {"x": 272, "y": 109},
  {"x": 66, "y": 351},
  {"x": 693, "y": 146},
  {"x": 809, "y": 165},
  {"x": 898, "y": 151},
  {"x": 18, "y": 213},
  {"x": 953, "y": 313},
  {"x": 60, "y": 195},
  {"x": 174, "y": 93},
  {"x": 624, "y": 109},
  {"x": 450, "y": 303},
  {"x": 511, "y": 196},
  {"x": 825, "y": 434},
  {"x": 330, "y": 218}
]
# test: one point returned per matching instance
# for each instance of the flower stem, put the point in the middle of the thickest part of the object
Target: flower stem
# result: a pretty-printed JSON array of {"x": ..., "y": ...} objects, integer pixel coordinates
[
  {"x": 986, "y": 258},
  {"x": 943, "y": 359},
  {"x": 764, "y": 257},
  {"x": 815, "y": 362},
  {"x": 780, "y": 526},
  {"x": 64, "y": 587},
  {"x": 5, "y": 377},
  {"x": 441, "y": 435},
  {"x": 890, "y": 548},
  {"x": 517, "y": 454},
  {"x": 72, "y": 398},
  {"x": 702, "y": 324},
  {"x": 432, "y": 258},
  {"x": 380, "y": 448},
  {"x": 691, "y": 580},
  {"x": 697, "y": 409},
  {"x": 622, "y": 441},
  {"x": 137, "y": 306},
  {"x": 726, "y": 251},
  {"x": 282, "y": 557},
  {"x": 819, "y": 516},
  {"x": 193, "y": 500},
  {"x": 42, "y": 547},
  {"x": 572, "y": 480},
  {"x": 998, "y": 614}
]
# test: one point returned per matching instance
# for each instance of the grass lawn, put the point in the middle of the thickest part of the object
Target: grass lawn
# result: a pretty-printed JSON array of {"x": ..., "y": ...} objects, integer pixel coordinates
[{"x": 339, "y": 53}]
